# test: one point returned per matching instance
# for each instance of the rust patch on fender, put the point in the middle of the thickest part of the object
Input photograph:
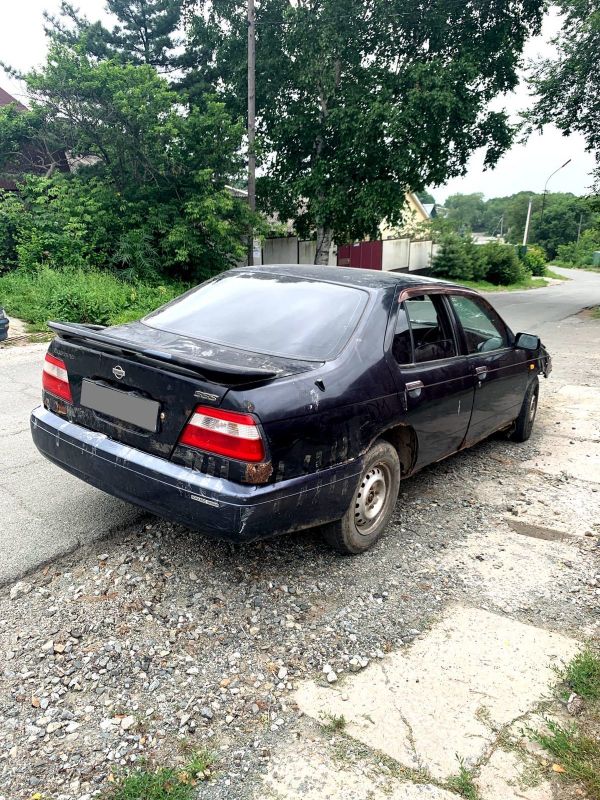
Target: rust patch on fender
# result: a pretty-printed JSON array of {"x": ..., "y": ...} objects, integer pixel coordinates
[{"x": 258, "y": 473}]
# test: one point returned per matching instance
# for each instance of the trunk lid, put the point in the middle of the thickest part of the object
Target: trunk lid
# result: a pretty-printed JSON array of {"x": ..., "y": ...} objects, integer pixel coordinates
[{"x": 176, "y": 372}]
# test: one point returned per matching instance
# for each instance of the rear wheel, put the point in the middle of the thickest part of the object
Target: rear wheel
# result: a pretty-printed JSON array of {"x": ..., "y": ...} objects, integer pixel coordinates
[
  {"x": 526, "y": 418},
  {"x": 372, "y": 505}
]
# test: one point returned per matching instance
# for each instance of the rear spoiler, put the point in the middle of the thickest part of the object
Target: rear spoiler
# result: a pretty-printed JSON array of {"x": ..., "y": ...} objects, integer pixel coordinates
[{"x": 95, "y": 334}]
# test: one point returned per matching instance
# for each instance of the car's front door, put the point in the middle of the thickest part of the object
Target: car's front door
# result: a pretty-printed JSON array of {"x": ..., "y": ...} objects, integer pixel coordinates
[
  {"x": 500, "y": 370},
  {"x": 434, "y": 378}
]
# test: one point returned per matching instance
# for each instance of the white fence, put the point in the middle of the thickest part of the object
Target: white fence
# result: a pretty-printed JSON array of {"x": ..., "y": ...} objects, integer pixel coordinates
[{"x": 396, "y": 254}]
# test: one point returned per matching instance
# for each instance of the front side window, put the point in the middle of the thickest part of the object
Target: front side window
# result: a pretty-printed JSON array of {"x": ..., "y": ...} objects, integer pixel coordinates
[
  {"x": 484, "y": 330},
  {"x": 423, "y": 331}
]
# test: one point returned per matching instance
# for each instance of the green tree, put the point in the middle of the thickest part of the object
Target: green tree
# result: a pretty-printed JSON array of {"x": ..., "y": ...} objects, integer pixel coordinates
[
  {"x": 568, "y": 84},
  {"x": 150, "y": 192},
  {"x": 580, "y": 253},
  {"x": 27, "y": 144},
  {"x": 466, "y": 211},
  {"x": 359, "y": 101},
  {"x": 146, "y": 31},
  {"x": 425, "y": 196},
  {"x": 565, "y": 217}
]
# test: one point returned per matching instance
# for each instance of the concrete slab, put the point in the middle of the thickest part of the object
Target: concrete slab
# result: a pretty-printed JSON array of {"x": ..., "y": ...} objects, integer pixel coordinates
[
  {"x": 570, "y": 420},
  {"x": 576, "y": 458},
  {"x": 314, "y": 770},
  {"x": 507, "y": 776},
  {"x": 496, "y": 564},
  {"x": 439, "y": 701}
]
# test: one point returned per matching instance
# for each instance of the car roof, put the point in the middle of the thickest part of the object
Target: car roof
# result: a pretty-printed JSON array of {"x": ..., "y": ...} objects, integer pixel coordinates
[{"x": 349, "y": 276}]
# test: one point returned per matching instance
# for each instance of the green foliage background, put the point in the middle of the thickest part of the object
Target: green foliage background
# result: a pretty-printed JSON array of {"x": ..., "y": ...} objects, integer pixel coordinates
[
  {"x": 357, "y": 102},
  {"x": 564, "y": 217}
]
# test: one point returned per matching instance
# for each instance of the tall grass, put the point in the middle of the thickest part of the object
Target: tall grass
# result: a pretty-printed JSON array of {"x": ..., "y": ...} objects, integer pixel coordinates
[{"x": 79, "y": 296}]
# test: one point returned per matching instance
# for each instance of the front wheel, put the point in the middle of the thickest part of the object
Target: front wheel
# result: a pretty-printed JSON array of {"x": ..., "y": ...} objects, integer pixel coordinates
[
  {"x": 372, "y": 505},
  {"x": 524, "y": 422}
]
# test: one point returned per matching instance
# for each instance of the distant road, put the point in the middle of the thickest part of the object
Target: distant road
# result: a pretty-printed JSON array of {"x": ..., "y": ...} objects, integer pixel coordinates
[{"x": 538, "y": 309}]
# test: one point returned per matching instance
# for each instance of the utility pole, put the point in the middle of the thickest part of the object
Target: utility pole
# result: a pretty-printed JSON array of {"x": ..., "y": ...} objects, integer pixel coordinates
[
  {"x": 526, "y": 234},
  {"x": 579, "y": 227},
  {"x": 251, "y": 121}
]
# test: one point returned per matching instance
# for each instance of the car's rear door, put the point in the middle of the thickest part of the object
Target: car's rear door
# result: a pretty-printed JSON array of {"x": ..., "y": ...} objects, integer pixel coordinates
[
  {"x": 499, "y": 369},
  {"x": 434, "y": 378}
]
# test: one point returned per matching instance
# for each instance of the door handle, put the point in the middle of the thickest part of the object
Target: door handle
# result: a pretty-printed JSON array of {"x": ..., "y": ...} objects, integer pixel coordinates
[
  {"x": 414, "y": 386},
  {"x": 481, "y": 373}
]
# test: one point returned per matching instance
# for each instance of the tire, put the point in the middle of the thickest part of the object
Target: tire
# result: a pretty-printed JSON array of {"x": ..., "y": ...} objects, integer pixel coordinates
[
  {"x": 372, "y": 505},
  {"x": 524, "y": 422}
]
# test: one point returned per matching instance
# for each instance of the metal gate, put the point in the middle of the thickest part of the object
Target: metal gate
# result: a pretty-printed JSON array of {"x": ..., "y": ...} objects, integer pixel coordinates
[{"x": 366, "y": 255}]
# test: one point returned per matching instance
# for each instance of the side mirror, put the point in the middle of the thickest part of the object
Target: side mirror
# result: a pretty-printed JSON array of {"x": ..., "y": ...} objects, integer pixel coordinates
[{"x": 527, "y": 341}]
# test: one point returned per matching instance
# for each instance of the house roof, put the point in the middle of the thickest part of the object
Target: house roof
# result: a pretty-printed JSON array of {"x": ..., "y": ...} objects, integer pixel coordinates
[
  {"x": 7, "y": 99},
  {"x": 414, "y": 199}
]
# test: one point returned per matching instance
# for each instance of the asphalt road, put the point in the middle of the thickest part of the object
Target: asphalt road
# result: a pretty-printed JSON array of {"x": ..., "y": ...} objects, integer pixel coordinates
[
  {"x": 45, "y": 512},
  {"x": 538, "y": 311}
]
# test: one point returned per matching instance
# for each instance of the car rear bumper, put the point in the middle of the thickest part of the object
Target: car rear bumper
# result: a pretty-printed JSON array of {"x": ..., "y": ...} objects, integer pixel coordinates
[{"x": 206, "y": 503}]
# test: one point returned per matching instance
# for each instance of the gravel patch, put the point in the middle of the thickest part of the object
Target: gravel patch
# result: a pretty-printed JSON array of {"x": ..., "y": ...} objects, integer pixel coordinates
[{"x": 159, "y": 641}]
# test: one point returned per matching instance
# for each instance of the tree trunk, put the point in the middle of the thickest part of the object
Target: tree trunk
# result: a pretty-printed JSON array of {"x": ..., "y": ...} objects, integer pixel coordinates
[{"x": 324, "y": 239}]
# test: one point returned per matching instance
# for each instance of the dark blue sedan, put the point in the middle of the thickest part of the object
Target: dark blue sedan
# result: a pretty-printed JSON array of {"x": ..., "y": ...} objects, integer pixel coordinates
[{"x": 273, "y": 399}]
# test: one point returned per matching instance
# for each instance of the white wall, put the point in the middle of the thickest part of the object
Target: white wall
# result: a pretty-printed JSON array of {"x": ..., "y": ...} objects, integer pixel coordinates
[
  {"x": 395, "y": 254},
  {"x": 308, "y": 250},
  {"x": 280, "y": 251},
  {"x": 420, "y": 255}
]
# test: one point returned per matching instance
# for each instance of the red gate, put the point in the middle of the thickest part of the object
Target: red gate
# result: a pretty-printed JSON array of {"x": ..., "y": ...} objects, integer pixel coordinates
[{"x": 367, "y": 255}]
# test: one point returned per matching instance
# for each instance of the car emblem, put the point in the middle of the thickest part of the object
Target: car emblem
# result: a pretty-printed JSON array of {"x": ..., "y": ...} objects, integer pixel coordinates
[{"x": 118, "y": 372}]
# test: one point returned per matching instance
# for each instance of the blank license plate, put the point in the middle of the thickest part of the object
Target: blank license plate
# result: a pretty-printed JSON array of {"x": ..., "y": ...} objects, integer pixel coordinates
[{"x": 127, "y": 407}]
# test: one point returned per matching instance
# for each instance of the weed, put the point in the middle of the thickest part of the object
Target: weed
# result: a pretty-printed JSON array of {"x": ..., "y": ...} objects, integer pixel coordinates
[
  {"x": 164, "y": 783},
  {"x": 78, "y": 296},
  {"x": 577, "y": 754},
  {"x": 332, "y": 723},
  {"x": 582, "y": 674},
  {"x": 463, "y": 783},
  {"x": 200, "y": 761}
]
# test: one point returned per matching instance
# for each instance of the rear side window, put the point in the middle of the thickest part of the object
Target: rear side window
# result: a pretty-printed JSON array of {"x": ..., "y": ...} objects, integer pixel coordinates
[
  {"x": 267, "y": 313},
  {"x": 423, "y": 331}
]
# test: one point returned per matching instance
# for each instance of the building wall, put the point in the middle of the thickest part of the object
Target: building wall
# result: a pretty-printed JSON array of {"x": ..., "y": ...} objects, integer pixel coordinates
[
  {"x": 280, "y": 251},
  {"x": 396, "y": 254}
]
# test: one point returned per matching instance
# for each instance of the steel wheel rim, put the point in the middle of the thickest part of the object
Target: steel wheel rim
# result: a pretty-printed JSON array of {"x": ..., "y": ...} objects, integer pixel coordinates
[
  {"x": 371, "y": 497},
  {"x": 532, "y": 407}
]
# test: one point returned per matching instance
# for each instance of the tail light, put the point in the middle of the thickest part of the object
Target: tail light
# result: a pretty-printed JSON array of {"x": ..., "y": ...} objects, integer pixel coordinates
[
  {"x": 55, "y": 378},
  {"x": 225, "y": 433}
]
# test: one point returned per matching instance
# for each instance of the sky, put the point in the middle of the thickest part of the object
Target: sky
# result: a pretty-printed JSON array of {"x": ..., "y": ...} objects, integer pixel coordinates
[{"x": 524, "y": 168}]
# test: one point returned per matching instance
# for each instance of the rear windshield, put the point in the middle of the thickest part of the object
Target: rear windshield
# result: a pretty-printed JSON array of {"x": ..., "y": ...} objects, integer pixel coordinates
[{"x": 267, "y": 313}]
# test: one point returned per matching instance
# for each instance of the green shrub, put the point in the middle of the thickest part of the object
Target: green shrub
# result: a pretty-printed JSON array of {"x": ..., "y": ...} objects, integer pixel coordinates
[
  {"x": 535, "y": 260},
  {"x": 452, "y": 261},
  {"x": 459, "y": 258},
  {"x": 579, "y": 254},
  {"x": 79, "y": 296},
  {"x": 476, "y": 256},
  {"x": 503, "y": 265},
  {"x": 11, "y": 217}
]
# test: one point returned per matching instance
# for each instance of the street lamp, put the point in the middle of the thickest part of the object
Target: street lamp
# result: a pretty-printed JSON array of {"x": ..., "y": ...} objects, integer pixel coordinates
[{"x": 546, "y": 186}]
